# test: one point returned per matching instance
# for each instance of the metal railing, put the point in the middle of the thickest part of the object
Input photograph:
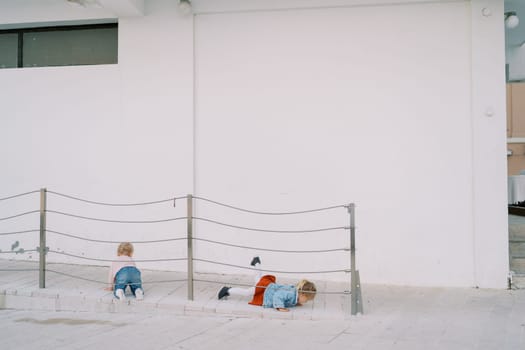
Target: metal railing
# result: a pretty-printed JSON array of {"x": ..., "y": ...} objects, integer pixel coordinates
[{"x": 190, "y": 237}]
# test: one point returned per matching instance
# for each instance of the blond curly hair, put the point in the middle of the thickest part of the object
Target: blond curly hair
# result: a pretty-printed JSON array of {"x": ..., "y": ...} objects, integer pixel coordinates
[
  {"x": 307, "y": 288},
  {"x": 125, "y": 248}
]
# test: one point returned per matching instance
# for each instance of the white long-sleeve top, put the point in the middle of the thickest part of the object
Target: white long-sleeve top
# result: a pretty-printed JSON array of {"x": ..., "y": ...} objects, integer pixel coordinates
[{"x": 120, "y": 262}]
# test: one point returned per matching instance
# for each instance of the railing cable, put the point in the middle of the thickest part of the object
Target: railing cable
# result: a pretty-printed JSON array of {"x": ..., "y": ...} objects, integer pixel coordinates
[
  {"x": 19, "y": 195},
  {"x": 18, "y": 215},
  {"x": 16, "y": 232},
  {"x": 263, "y": 287},
  {"x": 113, "y": 260},
  {"x": 106, "y": 241},
  {"x": 268, "y": 230},
  {"x": 116, "y": 221},
  {"x": 271, "y": 250},
  {"x": 116, "y": 204},
  {"x": 105, "y": 283},
  {"x": 20, "y": 251},
  {"x": 272, "y": 271},
  {"x": 268, "y": 213}
]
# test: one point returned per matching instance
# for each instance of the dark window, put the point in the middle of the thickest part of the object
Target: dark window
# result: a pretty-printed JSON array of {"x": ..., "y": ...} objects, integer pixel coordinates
[
  {"x": 8, "y": 50},
  {"x": 59, "y": 46}
]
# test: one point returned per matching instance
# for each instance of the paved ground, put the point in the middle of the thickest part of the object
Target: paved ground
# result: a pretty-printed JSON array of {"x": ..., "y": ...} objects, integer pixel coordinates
[
  {"x": 81, "y": 288},
  {"x": 398, "y": 318},
  {"x": 72, "y": 315}
]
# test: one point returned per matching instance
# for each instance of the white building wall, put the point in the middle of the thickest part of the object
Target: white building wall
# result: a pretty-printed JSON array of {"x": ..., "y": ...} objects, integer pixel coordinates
[
  {"x": 489, "y": 200},
  {"x": 110, "y": 133},
  {"x": 303, "y": 108},
  {"x": 294, "y": 109}
]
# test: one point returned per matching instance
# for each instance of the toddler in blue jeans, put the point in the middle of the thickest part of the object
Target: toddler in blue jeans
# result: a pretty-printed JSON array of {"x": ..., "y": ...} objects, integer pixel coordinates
[{"x": 123, "y": 273}]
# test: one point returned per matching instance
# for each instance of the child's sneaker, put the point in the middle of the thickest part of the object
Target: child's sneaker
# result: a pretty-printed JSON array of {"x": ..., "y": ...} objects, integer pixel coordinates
[
  {"x": 120, "y": 295},
  {"x": 139, "y": 294},
  {"x": 255, "y": 261},
  {"x": 223, "y": 292}
]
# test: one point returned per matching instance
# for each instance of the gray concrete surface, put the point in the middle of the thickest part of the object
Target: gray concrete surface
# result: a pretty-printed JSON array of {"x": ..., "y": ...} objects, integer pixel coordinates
[
  {"x": 81, "y": 288},
  {"x": 397, "y": 318},
  {"x": 73, "y": 314}
]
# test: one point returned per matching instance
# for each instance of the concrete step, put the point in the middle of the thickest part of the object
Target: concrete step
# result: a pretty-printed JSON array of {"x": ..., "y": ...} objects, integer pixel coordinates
[
  {"x": 518, "y": 281},
  {"x": 518, "y": 265},
  {"x": 517, "y": 234},
  {"x": 516, "y": 227},
  {"x": 517, "y": 248}
]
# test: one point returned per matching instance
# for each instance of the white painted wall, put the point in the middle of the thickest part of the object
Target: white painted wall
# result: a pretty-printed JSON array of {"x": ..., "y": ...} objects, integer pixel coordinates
[
  {"x": 303, "y": 109},
  {"x": 294, "y": 108},
  {"x": 490, "y": 235},
  {"x": 111, "y": 133}
]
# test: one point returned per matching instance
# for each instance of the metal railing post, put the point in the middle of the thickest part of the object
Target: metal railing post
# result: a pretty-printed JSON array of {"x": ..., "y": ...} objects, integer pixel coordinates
[
  {"x": 190, "y": 245},
  {"x": 42, "y": 248},
  {"x": 357, "y": 305}
]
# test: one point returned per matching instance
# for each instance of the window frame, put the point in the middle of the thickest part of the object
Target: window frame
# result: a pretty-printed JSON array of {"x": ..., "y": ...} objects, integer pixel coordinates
[{"x": 61, "y": 28}]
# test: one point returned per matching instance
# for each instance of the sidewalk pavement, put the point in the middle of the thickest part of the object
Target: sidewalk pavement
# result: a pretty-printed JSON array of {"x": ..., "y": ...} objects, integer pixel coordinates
[
  {"x": 165, "y": 292},
  {"x": 76, "y": 314}
]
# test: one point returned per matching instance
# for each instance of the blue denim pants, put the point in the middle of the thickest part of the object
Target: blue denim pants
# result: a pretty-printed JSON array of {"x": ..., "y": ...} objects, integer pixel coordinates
[{"x": 128, "y": 276}]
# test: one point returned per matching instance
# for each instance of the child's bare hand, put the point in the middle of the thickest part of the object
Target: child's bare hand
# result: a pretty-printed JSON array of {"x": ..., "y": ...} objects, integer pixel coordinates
[
  {"x": 108, "y": 288},
  {"x": 282, "y": 309}
]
